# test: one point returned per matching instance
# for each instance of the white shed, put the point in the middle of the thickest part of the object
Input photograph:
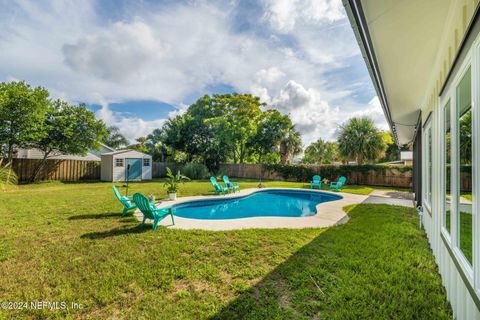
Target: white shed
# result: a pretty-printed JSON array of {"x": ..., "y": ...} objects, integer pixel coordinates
[{"x": 122, "y": 164}]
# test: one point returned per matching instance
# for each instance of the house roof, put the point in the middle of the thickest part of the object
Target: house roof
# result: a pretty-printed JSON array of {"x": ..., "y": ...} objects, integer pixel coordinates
[
  {"x": 107, "y": 147},
  {"x": 399, "y": 41},
  {"x": 123, "y": 151}
]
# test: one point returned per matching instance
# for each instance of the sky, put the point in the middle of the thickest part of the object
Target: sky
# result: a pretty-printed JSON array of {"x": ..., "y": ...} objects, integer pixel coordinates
[{"x": 137, "y": 63}]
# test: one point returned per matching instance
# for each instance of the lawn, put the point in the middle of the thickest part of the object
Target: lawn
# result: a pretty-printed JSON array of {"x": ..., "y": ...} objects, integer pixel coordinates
[{"x": 68, "y": 243}]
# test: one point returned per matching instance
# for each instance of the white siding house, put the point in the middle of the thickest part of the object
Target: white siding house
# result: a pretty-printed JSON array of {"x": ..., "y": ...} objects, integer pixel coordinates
[
  {"x": 123, "y": 165},
  {"x": 92, "y": 155},
  {"x": 424, "y": 60}
]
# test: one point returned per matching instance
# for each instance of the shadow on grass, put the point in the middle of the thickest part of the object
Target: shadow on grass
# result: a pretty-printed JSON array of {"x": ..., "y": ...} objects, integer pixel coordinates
[
  {"x": 116, "y": 232},
  {"x": 97, "y": 216},
  {"x": 377, "y": 266}
]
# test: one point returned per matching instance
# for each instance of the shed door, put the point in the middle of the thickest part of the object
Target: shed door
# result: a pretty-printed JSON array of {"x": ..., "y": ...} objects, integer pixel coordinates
[{"x": 133, "y": 169}]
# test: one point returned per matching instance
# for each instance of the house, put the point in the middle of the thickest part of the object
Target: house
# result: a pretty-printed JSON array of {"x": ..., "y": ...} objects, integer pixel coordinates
[
  {"x": 406, "y": 158},
  {"x": 126, "y": 165},
  {"x": 424, "y": 60},
  {"x": 92, "y": 155}
]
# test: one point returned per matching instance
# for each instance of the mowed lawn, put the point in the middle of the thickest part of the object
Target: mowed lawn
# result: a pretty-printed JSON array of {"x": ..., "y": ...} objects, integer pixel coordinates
[{"x": 67, "y": 243}]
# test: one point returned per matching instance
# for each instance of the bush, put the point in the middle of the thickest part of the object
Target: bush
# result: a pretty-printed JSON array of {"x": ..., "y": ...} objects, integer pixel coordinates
[
  {"x": 195, "y": 171},
  {"x": 305, "y": 172}
]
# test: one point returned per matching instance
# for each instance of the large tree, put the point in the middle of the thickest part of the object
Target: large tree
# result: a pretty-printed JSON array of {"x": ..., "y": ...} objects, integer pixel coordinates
[
  {"x": 115, "y": 138},
  {"x": 270, "y": 130},
  {"x": 68, "y": 129},
  {"x": 321, "y": 152},
  {"x": 228, "y": 128},
  {"x": 360, "y": 140},
  {"x": 141, "y": 145},
  {"x": 22, "y": 114},
  {"x": 392, "y": 150},
  {"x": 237, "y": 122}
]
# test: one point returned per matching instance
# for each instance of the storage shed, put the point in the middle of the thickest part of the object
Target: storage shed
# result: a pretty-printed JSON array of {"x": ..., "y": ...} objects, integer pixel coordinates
[{"x": 122, "y": 164}]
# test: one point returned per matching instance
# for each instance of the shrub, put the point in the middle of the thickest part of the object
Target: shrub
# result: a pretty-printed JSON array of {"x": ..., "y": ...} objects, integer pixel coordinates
[
  {"x": 195, "y": 171},
  {"x": 305, "y": 172}
]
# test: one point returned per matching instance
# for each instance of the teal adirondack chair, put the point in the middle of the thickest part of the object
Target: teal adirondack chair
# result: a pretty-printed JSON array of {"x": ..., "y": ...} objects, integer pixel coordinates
[
  {"x": 231, "y": 185},
  {"x": 126, "y": 201},
  {"x": 316, "y": 182},
  {"x": 339, "y": 184},
  {"x": 219, "y": 189},
  {"x": 150, "y": 211}
]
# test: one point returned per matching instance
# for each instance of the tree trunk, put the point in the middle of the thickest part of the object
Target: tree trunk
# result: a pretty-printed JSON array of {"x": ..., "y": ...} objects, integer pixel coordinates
[
  {"x": 283, "y": 153},
  {"x": 242, "y": 154},
  {"x": 39, "y": 167},
  {"x": 235, "y": 157},
  {"x": 10, "y": 153},
  {"x": 359, "y": 160}
]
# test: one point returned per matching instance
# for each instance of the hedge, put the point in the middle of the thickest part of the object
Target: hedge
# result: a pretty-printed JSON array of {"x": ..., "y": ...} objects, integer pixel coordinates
[{"x": 305, "y": 172}]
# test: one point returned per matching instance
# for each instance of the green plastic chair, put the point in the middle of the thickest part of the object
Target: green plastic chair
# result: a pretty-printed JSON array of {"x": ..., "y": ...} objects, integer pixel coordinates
[
  {"x": 150, "y": 211},
  {"x": 316, "y": 182},
  {"x": 339, "y": 184},
  {"x": 231, "y": 185},
  {"x": 128, "y": 205},
  {"x": 219, "y": 189}
]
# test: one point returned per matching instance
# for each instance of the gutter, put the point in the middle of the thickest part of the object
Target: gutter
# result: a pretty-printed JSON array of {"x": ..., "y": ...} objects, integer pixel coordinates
[{"x": 360, "y": 28}]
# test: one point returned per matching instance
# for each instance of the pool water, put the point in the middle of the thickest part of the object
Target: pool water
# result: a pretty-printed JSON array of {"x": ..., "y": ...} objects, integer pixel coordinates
[{"x": 267, "y": 203}]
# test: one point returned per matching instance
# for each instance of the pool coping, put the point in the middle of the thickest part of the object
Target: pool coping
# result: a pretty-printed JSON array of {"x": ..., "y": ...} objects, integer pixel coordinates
[{"x": 329, "y": 213}]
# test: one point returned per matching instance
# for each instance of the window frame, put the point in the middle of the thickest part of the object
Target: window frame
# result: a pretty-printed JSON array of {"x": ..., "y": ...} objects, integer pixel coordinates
[
  {"x": 470, "y": 271},
  {"x": 443, "y": 177},
  {"x": 427, "y": 177},
  {"x": 149, "y": 162},
  {"x": 122, "y": 165}
]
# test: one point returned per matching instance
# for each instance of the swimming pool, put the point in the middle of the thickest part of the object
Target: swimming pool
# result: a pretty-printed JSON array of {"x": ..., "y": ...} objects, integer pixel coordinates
[{"x": 264, "y": 203}]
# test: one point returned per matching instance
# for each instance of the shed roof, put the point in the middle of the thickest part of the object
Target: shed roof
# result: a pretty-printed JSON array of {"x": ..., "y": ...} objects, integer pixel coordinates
[{"x": 123, "y": 151}]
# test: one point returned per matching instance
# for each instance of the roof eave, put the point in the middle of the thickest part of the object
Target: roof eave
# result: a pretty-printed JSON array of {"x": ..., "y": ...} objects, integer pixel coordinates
[{"x": 360, "y": 28}]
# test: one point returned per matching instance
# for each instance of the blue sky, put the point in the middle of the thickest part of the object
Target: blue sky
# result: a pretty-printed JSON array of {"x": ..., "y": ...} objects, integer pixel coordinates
[{"x": 137, "y": 63}]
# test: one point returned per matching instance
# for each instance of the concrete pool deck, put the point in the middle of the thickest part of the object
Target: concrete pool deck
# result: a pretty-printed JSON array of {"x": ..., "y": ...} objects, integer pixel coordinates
[{"x": 328, "y": 214}]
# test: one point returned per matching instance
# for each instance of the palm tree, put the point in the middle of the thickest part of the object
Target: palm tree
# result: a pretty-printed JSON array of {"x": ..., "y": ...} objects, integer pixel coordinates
[
  {"x": 115, "y": 139},
  {"x": 359, "y": 139},
  {"x": 7, "y": 176},
  {"x": 321, "y": 152},
  {"x": 290, "y": 144}
]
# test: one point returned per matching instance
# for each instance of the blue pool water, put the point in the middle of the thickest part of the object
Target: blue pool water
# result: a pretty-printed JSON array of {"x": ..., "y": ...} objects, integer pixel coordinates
[{"x": 278, "y": 203}]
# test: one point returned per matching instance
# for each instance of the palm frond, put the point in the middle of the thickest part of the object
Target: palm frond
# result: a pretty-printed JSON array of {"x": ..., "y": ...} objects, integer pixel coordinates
[{"x": 8, "y": 178}]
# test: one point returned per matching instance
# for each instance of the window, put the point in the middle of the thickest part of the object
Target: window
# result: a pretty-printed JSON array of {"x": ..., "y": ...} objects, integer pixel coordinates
[
  {"x": 464, "y": 164},
  {"x": 428, "y": 164},
  {"x": 447, "y": 198},
  {"x": 118, "y": 162},
  {"x": 146, "y": 162}
]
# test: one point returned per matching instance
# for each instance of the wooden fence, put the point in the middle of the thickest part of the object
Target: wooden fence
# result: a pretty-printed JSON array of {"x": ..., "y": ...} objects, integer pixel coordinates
[
  {"x": 57, "y": 169},
  {"x": 391, "y": 177},
  {"x": 77, "y": 170},
  {"x": 159, "y": 168}
]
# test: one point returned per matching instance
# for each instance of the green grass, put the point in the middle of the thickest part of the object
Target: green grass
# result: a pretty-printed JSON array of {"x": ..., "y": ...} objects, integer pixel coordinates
[
  {"x": 467, "y": 196},
  {"x": 465, "y": 235},
  {"x": 67, "y": 242}
]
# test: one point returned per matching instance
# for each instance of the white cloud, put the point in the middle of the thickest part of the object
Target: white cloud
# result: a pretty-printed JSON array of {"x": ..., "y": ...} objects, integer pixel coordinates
[
  {"x": 116, "y": 54},
  {"x": 182, "y": 108},
  {"x": 283, "y": 15},
  {"x": 312, "y": 116},
  {"x": 375, "y": 112},
  {"x": 170, "y": 52},
  {"x": 131, "y": 127}
]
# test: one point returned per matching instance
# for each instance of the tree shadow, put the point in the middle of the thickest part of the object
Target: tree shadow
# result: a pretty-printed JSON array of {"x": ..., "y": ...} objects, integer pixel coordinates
[
  {"x": 116, "y": 232},
  {"x": 377, "y": 266},
  {"x": 95, "y": 216}
]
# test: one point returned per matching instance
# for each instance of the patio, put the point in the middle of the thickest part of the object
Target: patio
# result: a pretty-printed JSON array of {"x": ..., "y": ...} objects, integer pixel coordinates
[{"x": 329, "y": 213}]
